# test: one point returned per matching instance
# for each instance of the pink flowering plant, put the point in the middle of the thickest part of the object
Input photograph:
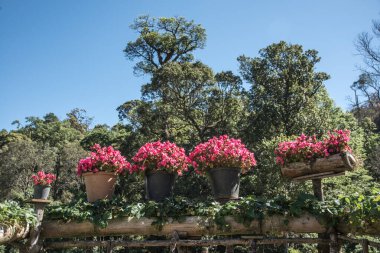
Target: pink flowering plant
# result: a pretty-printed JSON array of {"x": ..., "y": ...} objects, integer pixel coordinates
[
  {"x": 307, "y": 148},
  {"x": 42, "y": 178},
  {"x": 222, "y": 152},
  {"x": 165, "y": 156},
  {"x": 104, "y": 159},
  {"x": 337, "y": 142}
]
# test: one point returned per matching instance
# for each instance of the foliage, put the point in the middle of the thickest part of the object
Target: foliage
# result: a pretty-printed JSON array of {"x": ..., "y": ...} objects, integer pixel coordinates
[
  {"x": 19, "y": 159},
  {"x": 222, "y": 151},
  {"x": 104, "y": 159},
  {"x": 159, "y": 155},
  {"x": 284, "y": 86},
  {"x": 356, "y": 209},
  {"x": 11, "y": 213},
  {"x": 42, "y": 178}
]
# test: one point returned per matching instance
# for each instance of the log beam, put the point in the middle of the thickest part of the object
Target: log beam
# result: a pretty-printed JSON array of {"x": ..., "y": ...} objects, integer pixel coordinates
[{"x": 192, "y": 226}]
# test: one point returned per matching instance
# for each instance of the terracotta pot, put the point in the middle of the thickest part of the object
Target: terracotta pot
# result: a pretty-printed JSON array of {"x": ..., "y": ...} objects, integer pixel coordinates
[
  {"x": 225, "y": 183},
  {"x": 41, "y": 191},
  {"x": 159, "y": 185},
  {"x": 99, "y": 185}
]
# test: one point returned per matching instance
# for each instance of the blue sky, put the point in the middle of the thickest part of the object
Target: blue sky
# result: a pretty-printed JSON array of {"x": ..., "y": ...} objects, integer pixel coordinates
[{"x": 59, "y": 55}]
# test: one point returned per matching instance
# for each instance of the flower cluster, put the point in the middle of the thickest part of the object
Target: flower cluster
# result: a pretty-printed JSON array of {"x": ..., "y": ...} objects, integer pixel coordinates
[
  {"x": 103, "y": 159},
  {"x": 307, "y": 148},
  {"x": 161, "y": 156},
  {"x": 43, "y": 178},
  {"x": 222, "y": 152},
  {"x": 337, "y": 142}
]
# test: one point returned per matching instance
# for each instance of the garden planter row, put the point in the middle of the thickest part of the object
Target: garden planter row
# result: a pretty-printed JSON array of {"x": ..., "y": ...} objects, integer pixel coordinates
[{"x": 159, "y": 184}]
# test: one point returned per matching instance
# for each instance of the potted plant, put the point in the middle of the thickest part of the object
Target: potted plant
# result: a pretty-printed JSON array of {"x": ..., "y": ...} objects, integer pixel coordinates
[
  {"x": 160, "y": 162},
  {"x": 42, "y": 184},
  {"x": 308, "y": 156},
  {"x": 223, "y": 159},
  {"x": 100, "y": 171}
]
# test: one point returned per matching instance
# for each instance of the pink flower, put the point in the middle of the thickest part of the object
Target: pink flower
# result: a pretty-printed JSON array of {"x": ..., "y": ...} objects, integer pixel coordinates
[
  {"x": 104, "y": 159},
  {"x": 43, "y": 178},
  {"x": 307, "y": 148},
  {"x": 222, "y": 152},
  {"x": 161, "y": 156}
]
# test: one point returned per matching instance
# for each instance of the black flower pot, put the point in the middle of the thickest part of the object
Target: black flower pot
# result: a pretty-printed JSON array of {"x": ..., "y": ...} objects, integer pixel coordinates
[
  {"x": 41, "y": 191},
  {"x": 159, "y": 185},
  {"x": 225, "y": 183}
]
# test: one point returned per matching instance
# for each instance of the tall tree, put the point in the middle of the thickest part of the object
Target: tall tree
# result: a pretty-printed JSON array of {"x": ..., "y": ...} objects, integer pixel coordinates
[
  {"x": 163, "y": 40},
  {"x": 284, "y": 84},
  {"x": 366, "y": 106}
]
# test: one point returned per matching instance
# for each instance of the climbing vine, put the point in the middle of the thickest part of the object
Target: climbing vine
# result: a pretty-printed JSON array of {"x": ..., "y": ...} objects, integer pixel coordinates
[{"x": 357, "y": 209}]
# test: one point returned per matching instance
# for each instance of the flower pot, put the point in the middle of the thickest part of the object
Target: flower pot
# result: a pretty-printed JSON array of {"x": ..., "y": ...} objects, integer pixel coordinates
[
  {"x": 99, "y": 185},
  {"x": 41, "y": 191},
  {"x": 159, "y": 185},
  {"x": 330, "y": 165},
  {"x": 225, "y": 183}
]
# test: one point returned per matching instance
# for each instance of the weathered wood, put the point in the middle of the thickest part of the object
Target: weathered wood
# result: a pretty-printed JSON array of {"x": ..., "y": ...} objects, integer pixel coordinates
[
  {"x": 193, "y": 226},
  {"x": 335, "y": 163},
  {"x": 359, "y": 241},
  {"x": 370, "y": 229},
  {"x": 320, "y": 176},
  {"x": 334, "y": 244},
  {"x": 365, "y": 244},
  {"x": 181, "y": 243}
]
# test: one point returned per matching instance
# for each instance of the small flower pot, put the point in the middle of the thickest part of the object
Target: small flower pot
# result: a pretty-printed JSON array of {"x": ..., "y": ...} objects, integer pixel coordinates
[
  {"x": 225, "y": 183},
  {"x": 99, "y": 185},
  {"x": 41, "y": 191},
  {"x": 159, "y": 185}
]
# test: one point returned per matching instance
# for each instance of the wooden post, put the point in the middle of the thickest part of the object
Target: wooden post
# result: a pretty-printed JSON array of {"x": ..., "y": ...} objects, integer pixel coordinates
[
  {"x": 230, "y": 249},
  {"x": 317, "y": 188},
  {"x": 318, "y": 193},
  {"x": 334, "y": 244},
  {"x": 364, "y": 244},
  {"x": 253, "y": 246},
  {"x": 33, "y": 243}
]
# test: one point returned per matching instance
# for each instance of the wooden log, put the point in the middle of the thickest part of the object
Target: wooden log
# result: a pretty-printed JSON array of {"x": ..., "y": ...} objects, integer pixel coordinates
[
  {"x": 335, "y": 163},
  {"x": 180, "y": 243},
  {"x": 13, "y": 232},
  {"x": 370, "y": 229},
  {"x": 193, "y": 226}
]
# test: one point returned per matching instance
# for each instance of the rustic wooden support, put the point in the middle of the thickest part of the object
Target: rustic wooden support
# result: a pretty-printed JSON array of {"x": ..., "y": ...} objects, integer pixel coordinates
[
  {"x": 182, "y": 243},
  {"x": 365, "y": 245},
  {"x": 360, "y": 241},
  {"x": 192, "y": 225},
  {"x": 334, "y": 244},
  {"x": 229, "y": 249},
  {"x": 33, "y": 244}
]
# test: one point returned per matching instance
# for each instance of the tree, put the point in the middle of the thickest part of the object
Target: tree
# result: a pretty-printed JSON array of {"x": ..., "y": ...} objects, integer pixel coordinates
[
  {"x": 368, "y": 84},
  {"x": 283, "y": 86},
  {"x": 19, "y": 159},
  {"x": 163, "y": 40},
  {"x": 366, "y": 106},
  {"x": 187, "y": 103}
]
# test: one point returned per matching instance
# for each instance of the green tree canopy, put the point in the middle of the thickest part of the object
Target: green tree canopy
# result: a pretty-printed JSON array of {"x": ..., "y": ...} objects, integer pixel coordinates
[
  {"x": 163, "y": 40},
  {"x": 284, "y": 85}
]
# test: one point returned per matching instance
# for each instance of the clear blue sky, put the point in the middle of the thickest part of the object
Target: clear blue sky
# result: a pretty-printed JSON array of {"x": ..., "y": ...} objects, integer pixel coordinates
[{"x": 59, "y": 55}]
